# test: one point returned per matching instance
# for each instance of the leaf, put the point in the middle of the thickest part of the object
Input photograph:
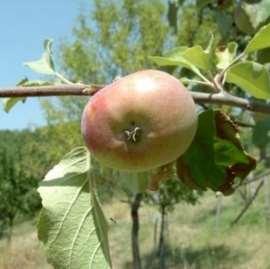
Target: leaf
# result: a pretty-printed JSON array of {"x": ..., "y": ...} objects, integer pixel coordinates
[
  {"x": 227, "y": 153},
  {"x": 250, "y": 16},
  {"x": 205, "y": 172},
  {"x": 10, "y": 102},
  {"x": 75, "y": 162},
  {"x": 193, "y": 58},
  {"x": 211, "y": 45},
  {"x": 218, "y": 138},
  {"x": 263, "y": 56},
  {"x": 258, "y": 12},
  {"x": 242, "y": 20},
  {"x": 224, "y": 21},
  {"x": 251, "y": 77},
  {"x": 45, "y": 64},
  {"x": 261, "y": 39},
  {"x": 198, "y": 57},
  {"x": 225, "y": 57},
  {"x": 74, "y": 234},
  {"x": 261, "y": 133}
]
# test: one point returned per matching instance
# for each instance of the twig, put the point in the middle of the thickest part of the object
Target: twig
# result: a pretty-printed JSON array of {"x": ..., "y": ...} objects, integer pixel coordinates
[
  {"x": 244, "y": 124},
  {"x": 254, "y": 179},
  {"x": 248, "y": 204},
  {"x": 222, "y": 98},
  {"x": 52, "y": 90}
]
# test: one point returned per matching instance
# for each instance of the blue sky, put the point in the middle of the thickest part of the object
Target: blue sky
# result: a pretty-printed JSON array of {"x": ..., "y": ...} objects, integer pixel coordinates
[{"x": 23, "y": 27}]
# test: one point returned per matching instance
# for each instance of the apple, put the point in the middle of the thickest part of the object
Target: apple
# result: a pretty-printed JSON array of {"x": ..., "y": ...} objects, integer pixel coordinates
[{"x": 139, "y": 122}]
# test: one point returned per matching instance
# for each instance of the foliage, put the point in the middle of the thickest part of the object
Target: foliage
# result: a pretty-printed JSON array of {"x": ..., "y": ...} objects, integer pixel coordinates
[
  {"x": 17, "y": 197},
  {"x": 24, "y": 159}
]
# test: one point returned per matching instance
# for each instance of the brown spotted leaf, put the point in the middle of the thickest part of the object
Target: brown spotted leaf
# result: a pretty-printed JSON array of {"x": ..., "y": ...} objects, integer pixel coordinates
[{"x": 216, "y": 157}]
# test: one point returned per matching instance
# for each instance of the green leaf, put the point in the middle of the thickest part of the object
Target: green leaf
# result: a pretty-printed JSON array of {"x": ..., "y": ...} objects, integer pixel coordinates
[
  {"x": 263, "y": 56},
  {"x": 227, "y": 153},
  {"x": 174, "y": 60},
  {"x": 258, "y": 12},
  {"x": 45, "y": 64},
  {"x": 225, "y": 57},
  {"x": 217, "y": 152},
  {"x": 206, "y": 172},
  {"x": 9, "y": 103},
  {"x": 224, "y": 22},
  {"x": 242, "y": 20},
  {"x": 260, "y": 41},
  {"x": 71, "y": 224},
  {"x": 250, "y": 16},
  {"x": 198, "y": 57},
  {"x": 261, "y": 133},
  {"x": 251, "y": 77},
  {"x": 211, "y": 45},
  {"x": 193, "y": 58}
]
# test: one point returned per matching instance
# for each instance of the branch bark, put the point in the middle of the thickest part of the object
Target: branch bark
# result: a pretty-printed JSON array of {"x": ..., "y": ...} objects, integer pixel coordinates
[
  {"x": 51, "y": 90},
  {"x": 221, "y": 98}
]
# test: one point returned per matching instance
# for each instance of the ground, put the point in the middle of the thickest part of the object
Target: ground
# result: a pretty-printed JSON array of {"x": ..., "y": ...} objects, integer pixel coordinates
[{"x": 196, "y": 237}]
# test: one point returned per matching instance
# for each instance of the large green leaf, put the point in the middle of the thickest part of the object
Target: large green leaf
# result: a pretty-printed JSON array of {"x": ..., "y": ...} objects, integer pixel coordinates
[
  {"x": 251, "y": 77},
  {"x": 45, "y": 64},
  {"x": 198, "y": 57},
  {"x": 261, "y": 39},
  {"x": 72, "y": 225},
  {"x": 194, "y": 58},
  {"x": 206, "y": 172}
]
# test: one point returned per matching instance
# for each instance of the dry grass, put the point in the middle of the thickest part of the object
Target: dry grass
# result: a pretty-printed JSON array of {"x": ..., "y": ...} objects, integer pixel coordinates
[{"x": 23, "y": 252}]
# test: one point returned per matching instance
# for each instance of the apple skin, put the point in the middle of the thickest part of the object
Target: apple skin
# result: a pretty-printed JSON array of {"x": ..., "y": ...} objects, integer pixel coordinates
[{"x": 140, "y": 122}]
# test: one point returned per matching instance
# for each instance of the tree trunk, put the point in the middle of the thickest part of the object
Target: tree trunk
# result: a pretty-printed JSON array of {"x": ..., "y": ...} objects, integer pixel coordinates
[
  {"x": 161, "y": 248},
  {"x": 135, "y": 231},
  {"x": 218, "y": 210}
]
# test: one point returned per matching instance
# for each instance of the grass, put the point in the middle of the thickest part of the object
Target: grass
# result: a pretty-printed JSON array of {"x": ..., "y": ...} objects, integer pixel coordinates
[{"x": 195, "y": 238}]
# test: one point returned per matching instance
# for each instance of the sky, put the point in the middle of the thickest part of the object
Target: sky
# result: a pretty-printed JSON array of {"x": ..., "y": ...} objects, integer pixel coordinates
[{"x": 24, "y": 25}]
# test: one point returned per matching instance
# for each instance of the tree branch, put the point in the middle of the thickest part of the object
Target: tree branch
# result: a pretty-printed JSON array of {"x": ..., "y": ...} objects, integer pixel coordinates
[
  {"x": 221, "y": 98},
  {"x": 51, "y": 90},
  {"x": 248, "y": 204}
]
